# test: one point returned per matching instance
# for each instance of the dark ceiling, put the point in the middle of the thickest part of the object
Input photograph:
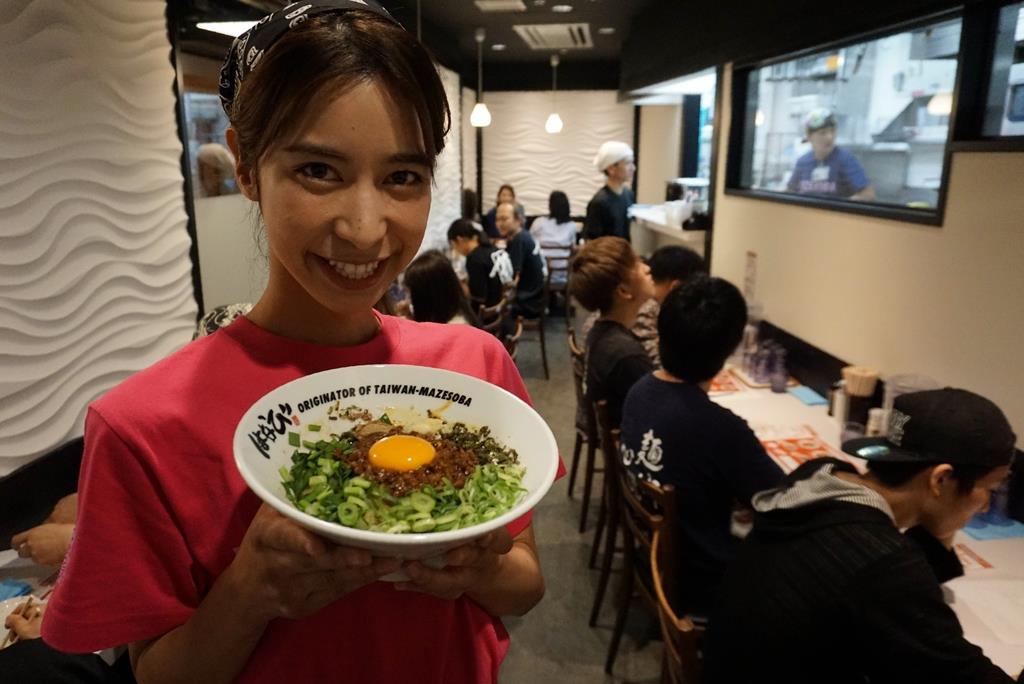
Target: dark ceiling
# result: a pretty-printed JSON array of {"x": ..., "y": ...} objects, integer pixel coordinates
[
  {"x": 459, "y": 18},
  {"x": 448, "y": 27}
]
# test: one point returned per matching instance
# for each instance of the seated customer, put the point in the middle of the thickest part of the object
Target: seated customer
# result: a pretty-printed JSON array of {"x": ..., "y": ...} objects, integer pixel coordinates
[
  {"x": 434, "y": 291},
  {"x": 527, "y": 264},
  {"x": 670, "y": 266},
  {"x": 826, "y": 588},
  {"x": 672, "y": 433},
  {"x": 26, "y": 657},
  {"x": 555, "y": 233},
  {"x": 488, "y": 268},
  {"x": 608, "y": 277},
  {"x": 506, "y": 193}
]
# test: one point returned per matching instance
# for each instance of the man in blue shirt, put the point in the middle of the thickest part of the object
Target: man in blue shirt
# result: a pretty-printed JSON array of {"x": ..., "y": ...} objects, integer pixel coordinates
[{"x": 827, "y": 169}]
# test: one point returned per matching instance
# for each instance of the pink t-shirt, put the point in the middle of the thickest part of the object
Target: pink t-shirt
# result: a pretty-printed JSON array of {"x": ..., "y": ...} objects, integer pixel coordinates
[{"x": 162, "y": 509}]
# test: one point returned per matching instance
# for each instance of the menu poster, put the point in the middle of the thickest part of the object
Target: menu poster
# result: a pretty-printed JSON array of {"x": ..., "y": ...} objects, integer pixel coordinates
[
  {"x": 725, "y": 383},
  {"x": 792, "y": 445}
]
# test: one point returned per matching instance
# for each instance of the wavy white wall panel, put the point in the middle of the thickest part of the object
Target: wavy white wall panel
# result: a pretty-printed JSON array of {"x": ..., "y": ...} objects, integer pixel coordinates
[
  {"x": 95, "y": 276},
  {"x": 446, "y": 203},
  {"x": 517, "y": 150}
]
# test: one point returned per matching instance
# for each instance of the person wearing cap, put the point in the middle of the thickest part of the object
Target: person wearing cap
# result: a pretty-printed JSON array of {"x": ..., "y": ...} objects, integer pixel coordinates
[
  {"x": 607, "y": 212},
  {"x": 827, "y": 588},
  {"x": 828, "y": 169}
]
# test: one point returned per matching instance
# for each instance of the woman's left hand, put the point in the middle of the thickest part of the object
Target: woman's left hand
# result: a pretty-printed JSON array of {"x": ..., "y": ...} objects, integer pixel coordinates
[{"x": 466, "y": 567}]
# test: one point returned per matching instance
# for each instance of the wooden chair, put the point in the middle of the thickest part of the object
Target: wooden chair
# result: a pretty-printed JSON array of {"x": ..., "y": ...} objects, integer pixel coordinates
[
  {"x": 644, "y": 509},
  {"x": 557, "y": 280},
  {"x": 537, "y": 325},
  {"x": 492, "y": 318},
  {"x": 586, "y": 432},
  {"x": 512, "y": 341},
  {"x": 681, "y": 662},
  {"x": 639, "y": 510},
  {"x": 611, "y": 504}
]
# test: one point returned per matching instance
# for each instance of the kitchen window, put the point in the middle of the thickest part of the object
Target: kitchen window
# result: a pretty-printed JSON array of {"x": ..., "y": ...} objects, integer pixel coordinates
[{"x": 861, "y": 126}]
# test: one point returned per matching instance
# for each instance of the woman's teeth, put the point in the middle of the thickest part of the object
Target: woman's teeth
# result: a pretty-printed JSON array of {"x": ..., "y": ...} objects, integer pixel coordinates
[{"x": 354, "y": 271}]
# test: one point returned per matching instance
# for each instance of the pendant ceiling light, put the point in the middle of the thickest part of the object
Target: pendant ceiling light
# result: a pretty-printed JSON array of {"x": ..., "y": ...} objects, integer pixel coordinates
[
  {"x": 554, "y": 122},
  {"x": 480, "y": 116}
]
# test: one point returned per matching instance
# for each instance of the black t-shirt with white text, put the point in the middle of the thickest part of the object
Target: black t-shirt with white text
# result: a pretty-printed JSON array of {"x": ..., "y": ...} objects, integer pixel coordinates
[
  {"x": 483, "y": 267},
  {"x": 672, "y": 433}
]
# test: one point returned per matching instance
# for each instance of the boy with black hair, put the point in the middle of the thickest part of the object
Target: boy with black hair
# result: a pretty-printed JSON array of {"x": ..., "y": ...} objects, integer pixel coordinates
[
  {"x": 670, "y": 266},
  {"x": 826, "y": 588},
  {"x": 672, "y": 433}
]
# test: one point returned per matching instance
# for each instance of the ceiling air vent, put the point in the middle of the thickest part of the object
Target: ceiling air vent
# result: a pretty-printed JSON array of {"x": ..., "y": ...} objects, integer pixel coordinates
[
  {"x": 555, "y": 36},
  {"x": 500, "y": 5}
]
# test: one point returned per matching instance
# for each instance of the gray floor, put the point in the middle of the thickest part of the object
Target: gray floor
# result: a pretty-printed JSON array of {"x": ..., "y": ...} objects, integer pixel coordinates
[{"x": 554, "y": 643}]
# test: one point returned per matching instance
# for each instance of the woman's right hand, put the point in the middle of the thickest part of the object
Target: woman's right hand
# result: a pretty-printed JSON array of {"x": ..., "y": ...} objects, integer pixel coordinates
[{"x": 283, "y": 570}]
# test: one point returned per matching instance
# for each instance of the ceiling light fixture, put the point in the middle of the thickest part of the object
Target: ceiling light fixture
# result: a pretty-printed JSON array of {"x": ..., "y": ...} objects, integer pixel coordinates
[
  {"x": 561, "y": 9},
  {"x": 554, "y": 122},
  {"x": 606, "y": 30},
  {"x": 227, "y": 28},
  {"x": 481, "y": 116},
  {"x": 498, "y": 47}
]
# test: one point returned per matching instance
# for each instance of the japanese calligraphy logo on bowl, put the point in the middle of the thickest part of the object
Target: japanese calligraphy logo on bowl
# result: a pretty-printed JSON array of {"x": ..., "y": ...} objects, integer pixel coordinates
[{"x": 263, "y": 441}]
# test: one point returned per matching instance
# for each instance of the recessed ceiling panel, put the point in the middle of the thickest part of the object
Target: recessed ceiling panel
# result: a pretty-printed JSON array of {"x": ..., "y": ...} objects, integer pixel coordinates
[{"x": 555, "y": 36}]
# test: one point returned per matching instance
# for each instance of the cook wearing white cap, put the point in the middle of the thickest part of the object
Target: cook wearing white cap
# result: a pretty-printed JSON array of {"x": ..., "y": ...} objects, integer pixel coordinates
[{"x": 607, "y": 212}]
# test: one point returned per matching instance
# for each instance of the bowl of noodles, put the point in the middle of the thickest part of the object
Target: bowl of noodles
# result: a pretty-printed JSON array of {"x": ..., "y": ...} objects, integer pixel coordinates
[{"x": 403, "y": 461}]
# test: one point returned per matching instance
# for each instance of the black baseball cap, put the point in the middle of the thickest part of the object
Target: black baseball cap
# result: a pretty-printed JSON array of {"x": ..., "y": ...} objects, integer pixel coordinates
[{"x": 941, "y": 426}]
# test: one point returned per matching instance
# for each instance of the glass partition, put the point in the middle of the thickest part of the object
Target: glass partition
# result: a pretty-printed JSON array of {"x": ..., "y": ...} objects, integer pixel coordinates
[
  {"x": 1004, "y": 110},
  {"x": 866, "y": 122}
]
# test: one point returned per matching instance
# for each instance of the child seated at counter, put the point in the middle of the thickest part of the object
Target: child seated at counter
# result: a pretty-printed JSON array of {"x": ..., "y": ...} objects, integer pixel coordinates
[
  {"x": 673, "y": 434},
  {"x": 826, "y": 588},
  {"x": 608, "y": 277},
  {"x": 670, "y": 266}
]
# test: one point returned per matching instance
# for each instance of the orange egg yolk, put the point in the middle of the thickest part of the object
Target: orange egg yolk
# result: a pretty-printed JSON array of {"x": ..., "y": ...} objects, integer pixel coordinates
[{"x": 401, "y": 452}]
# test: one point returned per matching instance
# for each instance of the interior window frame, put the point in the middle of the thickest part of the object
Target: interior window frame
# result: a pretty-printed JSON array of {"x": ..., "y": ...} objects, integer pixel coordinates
[{"x": 742, "y": 120}]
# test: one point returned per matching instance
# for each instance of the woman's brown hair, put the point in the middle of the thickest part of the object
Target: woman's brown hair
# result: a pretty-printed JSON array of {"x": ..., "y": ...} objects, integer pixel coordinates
[
  {"x": 434, "y": 289},
  {"x": 597, "y": 269},
  {"x": 336, "y": 51}
]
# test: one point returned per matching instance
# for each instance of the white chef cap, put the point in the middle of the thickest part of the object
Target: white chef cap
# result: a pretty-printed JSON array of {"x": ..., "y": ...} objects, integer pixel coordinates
[{"x": 612, "y": 152}]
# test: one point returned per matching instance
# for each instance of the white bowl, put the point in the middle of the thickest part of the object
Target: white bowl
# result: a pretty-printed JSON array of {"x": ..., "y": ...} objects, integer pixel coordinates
[{"x": 512, "y": 422}]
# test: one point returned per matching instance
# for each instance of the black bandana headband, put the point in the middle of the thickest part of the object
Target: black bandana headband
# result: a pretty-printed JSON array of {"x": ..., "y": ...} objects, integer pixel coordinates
[{"x": 248, "y": 48}]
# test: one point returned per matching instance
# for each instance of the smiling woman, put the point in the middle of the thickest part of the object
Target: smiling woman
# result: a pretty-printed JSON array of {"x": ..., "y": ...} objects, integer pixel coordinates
[{"x": 337, "y": 117}]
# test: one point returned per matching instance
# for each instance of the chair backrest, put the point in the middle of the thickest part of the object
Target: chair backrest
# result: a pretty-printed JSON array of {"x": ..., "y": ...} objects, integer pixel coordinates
[
  {"x": 512, "y": 341},
  {"x": 584, "y": 411},
  {"x": 680, "y": 635},
  {"x": 644, "y": 507}
]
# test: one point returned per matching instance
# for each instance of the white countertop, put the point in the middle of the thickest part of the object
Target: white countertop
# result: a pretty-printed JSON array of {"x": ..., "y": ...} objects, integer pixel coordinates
[{"x": 653, "y": 218}]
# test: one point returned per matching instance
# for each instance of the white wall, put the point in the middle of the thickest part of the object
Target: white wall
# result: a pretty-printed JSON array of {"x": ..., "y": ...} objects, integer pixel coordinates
[
  {"x": 943, "y": 301},
  {"x": 232, "y": 266},
  {"x": 661, "y": 127},
  {"x": 95, "y": 276},
  {"x": 518, "y": 151}
]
